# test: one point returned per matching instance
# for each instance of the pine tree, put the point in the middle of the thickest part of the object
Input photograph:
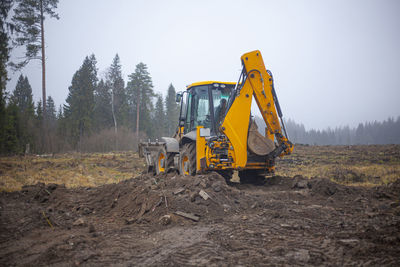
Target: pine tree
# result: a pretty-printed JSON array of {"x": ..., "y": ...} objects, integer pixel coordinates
[
  {"x": 172, "y": 111},
  {"x": 29, "y": 16},
  {"x": 78, "y": 111},
  {"x": 140, "y": 95}
]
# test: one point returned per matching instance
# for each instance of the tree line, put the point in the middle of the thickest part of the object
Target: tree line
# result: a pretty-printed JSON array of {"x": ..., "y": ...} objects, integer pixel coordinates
[
  {"x": 100, "y": 114},
  {"x": 381, "y": 133}
]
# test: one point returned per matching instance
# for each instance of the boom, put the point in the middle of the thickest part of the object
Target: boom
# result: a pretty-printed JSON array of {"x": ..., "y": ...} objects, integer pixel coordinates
[{"x": 256, "y": 81}]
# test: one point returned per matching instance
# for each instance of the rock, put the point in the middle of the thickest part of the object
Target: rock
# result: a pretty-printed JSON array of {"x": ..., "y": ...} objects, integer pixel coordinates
[
  {"x": 300, "y": 182},
  {"x": 79, "y": 222},
  {"x": 216, "y": 186},
  {"x": 165, "y": 220}
]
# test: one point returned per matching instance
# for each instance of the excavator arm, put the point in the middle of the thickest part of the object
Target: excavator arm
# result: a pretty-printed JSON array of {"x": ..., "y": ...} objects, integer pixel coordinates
[{"x": 256, "y": 81}]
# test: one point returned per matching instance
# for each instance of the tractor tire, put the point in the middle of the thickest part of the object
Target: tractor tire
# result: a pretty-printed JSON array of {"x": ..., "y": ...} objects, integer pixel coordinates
[
  {"x": 256, "y": 177},
  {"x": 164, "y": 161},
  {"x": 187, "y": 159}
]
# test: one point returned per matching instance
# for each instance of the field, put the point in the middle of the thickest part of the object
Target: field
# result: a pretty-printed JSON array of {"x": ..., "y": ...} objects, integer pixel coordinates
[{"x": 325, "y": 206}]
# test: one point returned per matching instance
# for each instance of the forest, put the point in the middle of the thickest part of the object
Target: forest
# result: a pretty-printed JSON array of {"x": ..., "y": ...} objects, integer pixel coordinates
[
  {"x": 98, "y": 114},
  {"x": 108, "y": 113}
]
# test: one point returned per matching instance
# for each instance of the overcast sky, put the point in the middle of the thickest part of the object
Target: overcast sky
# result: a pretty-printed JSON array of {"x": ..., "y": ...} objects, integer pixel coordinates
[{"x": 335, "y": 63}]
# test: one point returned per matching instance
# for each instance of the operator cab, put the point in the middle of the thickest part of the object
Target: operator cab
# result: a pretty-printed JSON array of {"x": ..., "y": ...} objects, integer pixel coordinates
[{"x": 204, "y": 104}]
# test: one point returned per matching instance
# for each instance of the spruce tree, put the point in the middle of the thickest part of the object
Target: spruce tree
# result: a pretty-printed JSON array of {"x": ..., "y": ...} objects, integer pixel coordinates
[
  {"x": 5, "y": 26},
  {"x": 39, "y": 129},
  {"x": 22, "y": 95},
  {"x": 102, "y": 106},
  {"x": 25, "y": 113},
  {"x": 172, "y": 111},
  {"x": 119, "y": 104},
  {"x": 11, "y": 143},
  {"x": 78, "y": 110},
  {"x": 159, "y": 118},
  {"x": 51, "y": 113},
  {"x": 51, "y": 125},
  {"x": 29, "y": 16}
]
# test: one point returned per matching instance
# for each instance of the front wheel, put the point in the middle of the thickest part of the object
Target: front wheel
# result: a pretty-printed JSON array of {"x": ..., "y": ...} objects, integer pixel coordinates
[
  {"x": 164, "y": 161},
  {"x": 187, "y": 159}
]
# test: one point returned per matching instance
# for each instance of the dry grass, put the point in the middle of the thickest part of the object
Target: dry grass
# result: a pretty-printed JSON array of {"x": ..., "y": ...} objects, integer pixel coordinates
[
  {"x": 354, "y": 165},
  {"x": 351, "y": 165},
  {"x": 73, "y": 169}
]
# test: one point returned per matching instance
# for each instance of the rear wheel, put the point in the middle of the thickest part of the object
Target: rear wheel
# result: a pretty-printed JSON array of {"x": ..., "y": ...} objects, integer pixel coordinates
[
  {"x": 187, "y": 160},
  {"x": 252, "y": 177}
]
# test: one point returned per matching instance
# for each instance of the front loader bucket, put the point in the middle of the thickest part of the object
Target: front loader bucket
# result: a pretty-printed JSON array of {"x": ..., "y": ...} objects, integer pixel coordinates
[{"x": 149, "y": 150}]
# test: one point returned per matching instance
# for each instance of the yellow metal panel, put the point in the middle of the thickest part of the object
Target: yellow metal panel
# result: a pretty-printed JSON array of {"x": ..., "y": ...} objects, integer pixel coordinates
[
  {"x": 200, "y": 148},
  {"x": 236, "y": 124},
  {"x": 262, "y": 85},
  {"x": 208, "y": 82}
]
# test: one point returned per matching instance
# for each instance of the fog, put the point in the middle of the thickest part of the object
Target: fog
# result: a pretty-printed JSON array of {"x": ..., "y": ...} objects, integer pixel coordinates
[{"x": 335, "y": 63}]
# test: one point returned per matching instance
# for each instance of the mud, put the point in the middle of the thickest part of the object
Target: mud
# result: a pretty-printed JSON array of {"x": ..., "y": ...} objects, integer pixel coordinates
[{"x": 286, "y": 221}]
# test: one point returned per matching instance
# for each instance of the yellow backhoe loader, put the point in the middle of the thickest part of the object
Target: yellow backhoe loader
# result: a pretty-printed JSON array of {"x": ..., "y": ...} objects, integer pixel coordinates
[{"x": 216, "y": 132}]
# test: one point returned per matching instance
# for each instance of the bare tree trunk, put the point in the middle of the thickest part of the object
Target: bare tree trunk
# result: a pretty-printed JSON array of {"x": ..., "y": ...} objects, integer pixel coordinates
[
  {"x": 115, "y": 121},
  {"x": 137, "y": 115},
  {"x": 45, "y": 133},
  {"x": 43, "y": 58}
]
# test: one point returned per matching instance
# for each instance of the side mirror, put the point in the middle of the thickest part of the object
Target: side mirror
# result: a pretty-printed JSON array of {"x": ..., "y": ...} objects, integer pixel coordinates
[{"x": 178, "y": 97}]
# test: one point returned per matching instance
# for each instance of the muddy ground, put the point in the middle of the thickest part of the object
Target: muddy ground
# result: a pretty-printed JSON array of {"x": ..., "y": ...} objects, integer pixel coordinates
[{"x": 286, "y": 221}]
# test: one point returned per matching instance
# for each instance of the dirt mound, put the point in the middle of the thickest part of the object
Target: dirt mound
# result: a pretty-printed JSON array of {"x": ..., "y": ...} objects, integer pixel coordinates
[
  {"x": 144, "y": 199},
  {"x": 182, "y": 220}
]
